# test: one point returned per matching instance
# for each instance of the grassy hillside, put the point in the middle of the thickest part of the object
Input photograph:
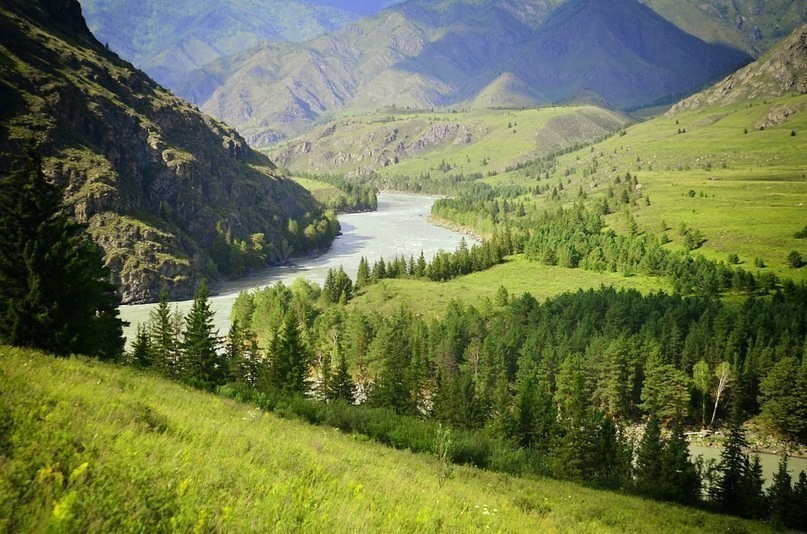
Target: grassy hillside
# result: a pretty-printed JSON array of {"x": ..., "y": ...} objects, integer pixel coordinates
[
  {"x": 738, "y": 174},
  {"x": 395, "y": 141},
  {"x": 89, "y": 446},
  {"x": 516, "y": 275}
]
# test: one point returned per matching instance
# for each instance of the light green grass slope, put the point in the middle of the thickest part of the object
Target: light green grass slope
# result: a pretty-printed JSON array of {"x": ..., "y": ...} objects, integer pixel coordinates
[
  {"x": 746, "y": 165},
  {"x": 87, "y": 447}
]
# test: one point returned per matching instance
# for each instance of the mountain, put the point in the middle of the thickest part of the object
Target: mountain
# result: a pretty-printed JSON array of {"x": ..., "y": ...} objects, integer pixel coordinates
[
  {"x": 170, "y": 39},
  {"x": 463, "y": 53},
  {"x": 158, "y": 183},
  {"x": 780, "y": 72},
  {"x": 753, "y": 25}
]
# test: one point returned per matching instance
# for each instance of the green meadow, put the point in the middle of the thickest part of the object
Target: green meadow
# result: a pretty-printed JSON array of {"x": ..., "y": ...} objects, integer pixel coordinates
[
  {"x": 88, "y": 446},
  {"x": 726, "y": 171},
  {"x": 517, "y": 275}
]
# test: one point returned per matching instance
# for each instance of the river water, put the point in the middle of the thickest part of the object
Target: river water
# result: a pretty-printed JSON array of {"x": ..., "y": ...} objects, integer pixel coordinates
[{"x": 399, "y": 226}]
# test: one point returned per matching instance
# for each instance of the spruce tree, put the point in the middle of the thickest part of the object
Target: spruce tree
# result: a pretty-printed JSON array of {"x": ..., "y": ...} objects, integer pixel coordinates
[
  {"x": 728, "y": 494},
  {"x": 679, "y": 477},
  {"x": 649, "y": 459},
  {"x": 780, "y": 494},
  {"x": 141, "y": 348},
  {"x": 164, "y": 337},
  {"x": 55, "y": 292},
  {"x": 202, "y": 364},
  {"x": 288, "y": 370},
  {"x": 342, "y": 386}
]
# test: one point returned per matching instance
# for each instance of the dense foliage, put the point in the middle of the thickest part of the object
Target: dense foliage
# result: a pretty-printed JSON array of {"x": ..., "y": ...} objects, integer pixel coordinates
[{"x": 55, "y": 292}]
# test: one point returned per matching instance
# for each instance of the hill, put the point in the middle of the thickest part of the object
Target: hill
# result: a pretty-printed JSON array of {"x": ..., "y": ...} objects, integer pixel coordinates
[
  {"x": 168, "y": 40},
  {"x": 780, "y": 72},
  {"x": 86, "y": 445},
  {"x": 747, "y": 24},
  {"x": 730, "y": 162},
  {"x": 460, "y": 53},
  {"x": 413, "y": 143},
  {"x": 159, "y": 183}
]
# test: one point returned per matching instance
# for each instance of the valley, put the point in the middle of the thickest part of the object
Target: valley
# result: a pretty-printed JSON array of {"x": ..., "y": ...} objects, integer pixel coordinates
[{"x": 430, "y": 265}]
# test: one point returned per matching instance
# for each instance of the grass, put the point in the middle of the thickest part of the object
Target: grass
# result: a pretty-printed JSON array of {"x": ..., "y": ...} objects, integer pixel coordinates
[
  {"x": 462, "y": 139},
  {"x": 92, "y": 446},
  {"x": 517, "y": 275},
  {"x": 749, "y": 184}
]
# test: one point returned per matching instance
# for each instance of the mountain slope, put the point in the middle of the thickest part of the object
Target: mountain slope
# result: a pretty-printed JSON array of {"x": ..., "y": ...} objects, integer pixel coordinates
[
  {"x": 170, "y": 39},
  {"x": 780, "y": 72},
  {"x": 87, "y": 446},
  {"x": 459, "y": 52},
  {"x": 413, "y": 143},
  {"x": 752, "y": 25},
  {"x": 157, "y": 181}
]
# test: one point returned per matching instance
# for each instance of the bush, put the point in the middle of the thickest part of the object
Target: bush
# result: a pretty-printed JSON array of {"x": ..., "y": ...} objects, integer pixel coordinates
[{"x": 794, "y": 259}]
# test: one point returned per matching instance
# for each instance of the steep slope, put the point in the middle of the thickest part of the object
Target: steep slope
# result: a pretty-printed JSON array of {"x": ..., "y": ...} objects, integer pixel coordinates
[
  {"x": 157, "y": 181},
  {"x": 170, "y": 39},
  {"x": 753, "y": 25},
  {"x": 780, "y": 72},
  {"x": 460, "y": 52},
  {"x": 93, "y": 447}
]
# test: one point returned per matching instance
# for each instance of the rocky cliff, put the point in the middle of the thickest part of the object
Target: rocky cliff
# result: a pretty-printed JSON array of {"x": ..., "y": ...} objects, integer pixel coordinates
[
  {"x": 159, "y": 184},
  {"x": 781, "y": 71}
]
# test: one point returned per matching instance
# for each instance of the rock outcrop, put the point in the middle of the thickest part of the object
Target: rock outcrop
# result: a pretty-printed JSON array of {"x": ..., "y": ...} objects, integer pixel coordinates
[{"x": 156, "y": 181}]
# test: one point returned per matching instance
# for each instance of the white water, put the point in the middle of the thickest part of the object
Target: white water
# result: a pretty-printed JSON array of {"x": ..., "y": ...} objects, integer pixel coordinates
[{"x": 399, "y": 227}]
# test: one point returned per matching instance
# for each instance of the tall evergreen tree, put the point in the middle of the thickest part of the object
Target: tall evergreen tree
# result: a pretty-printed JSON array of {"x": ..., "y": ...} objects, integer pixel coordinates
[
  {"x": 55, "y": 292},
  {"x": 141, "y": 348},
  {"x": 780, "y": 494},
  {"x": 341, "y": 384},
  {"x": 164, "y": 336},
  {"x": 649, "y": 459},
  {"x": 679, "y": 477},
  {"x": 203, "y": 366},
  {"x": 728, "y": 495},
  {"x": 289, "y": 361}
]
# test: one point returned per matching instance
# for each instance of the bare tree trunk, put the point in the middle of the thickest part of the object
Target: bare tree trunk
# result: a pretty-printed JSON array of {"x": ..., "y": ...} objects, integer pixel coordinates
[{"x": 723, "y": 373}]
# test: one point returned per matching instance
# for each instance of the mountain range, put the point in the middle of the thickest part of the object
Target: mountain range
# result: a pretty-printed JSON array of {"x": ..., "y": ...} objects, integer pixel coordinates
[
  {"x": 156, "y": 181},
  {"x": 170, "y": 39},
  {"x": 459, "y": 53}
]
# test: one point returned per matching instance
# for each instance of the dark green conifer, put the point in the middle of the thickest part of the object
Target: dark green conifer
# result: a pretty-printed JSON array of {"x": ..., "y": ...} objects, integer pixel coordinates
[
  {"x": 55, "y": 292},
  {"x": 203, "y": 366}
]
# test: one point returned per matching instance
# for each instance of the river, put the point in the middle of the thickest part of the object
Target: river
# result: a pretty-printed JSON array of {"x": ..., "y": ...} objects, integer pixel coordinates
[
  {"x": 770, "y": 462},
  {"x": 399, "y": 226}
]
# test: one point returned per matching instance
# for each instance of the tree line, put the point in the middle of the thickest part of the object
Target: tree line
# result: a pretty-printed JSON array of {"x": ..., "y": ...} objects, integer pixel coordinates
[{"x": 557, "y": 384}]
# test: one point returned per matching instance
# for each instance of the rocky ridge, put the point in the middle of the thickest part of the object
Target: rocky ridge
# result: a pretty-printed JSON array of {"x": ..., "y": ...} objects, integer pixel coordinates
[{"x": 156, "y": 181}]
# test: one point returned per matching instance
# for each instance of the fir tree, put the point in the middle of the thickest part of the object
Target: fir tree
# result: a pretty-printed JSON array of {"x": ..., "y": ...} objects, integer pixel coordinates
[
  {"x": 679, "y": 477},
  {"x": 342, "y": 386},
  {"x": 363, "y": 274},
  {"x": 288, "y": 370},
  {"x": 728, "y": 495},
  {"x": 141, "y": 348},
  {"x": 780, "y": 494},
  {"x": 55, "y": 292},
  {"x": 202, "y": 364},
  {"x": 649, "y": 459},
  {"x": 164, "y": 337}
]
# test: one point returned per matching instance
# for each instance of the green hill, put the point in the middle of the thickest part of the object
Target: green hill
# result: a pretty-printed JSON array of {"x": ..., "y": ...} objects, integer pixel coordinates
[
  {"x": 395, "y": 141},
  {"x": 91, "y": 446},
  {"x": 159, "y": 184}
]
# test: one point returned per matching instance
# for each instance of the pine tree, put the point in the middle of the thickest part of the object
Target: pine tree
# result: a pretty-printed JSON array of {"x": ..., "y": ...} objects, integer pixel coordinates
[
  {"x": 202, "y": 364},
  {"x": 141, "y": 348},
  {"x": 342, "y": 386},
  {"x": 649, "y": 459},
  {"x": 55, "y": 292},
  {"x": 780, "y": 494},
  {"x": 164, "y": 337}
]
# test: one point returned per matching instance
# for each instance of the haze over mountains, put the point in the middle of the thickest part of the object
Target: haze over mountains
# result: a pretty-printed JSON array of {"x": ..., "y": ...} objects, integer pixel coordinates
[
  {"x": 170, "y": 39},
  {"x": 438, "y": 53}
]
